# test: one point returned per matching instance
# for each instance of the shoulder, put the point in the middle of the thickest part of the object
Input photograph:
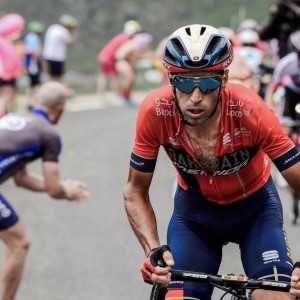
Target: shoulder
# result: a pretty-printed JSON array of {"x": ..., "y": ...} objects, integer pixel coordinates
[
  {"x": 160, "y": 97},
  {"x": 42, "y": 127},
  {"x": 157, "y": 107}
]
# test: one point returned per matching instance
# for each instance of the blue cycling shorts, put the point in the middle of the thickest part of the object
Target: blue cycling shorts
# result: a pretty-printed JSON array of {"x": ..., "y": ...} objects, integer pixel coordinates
[
  {"x": 8, "y": 216},
  {"x": 199, "y": 229}
]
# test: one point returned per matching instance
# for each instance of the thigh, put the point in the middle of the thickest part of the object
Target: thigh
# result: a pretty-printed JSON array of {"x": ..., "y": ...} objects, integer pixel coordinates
[
  {"x": 192, "y": 250},
  {"x": 265, "y": 251},
  {"x": 108, "y": 68}
]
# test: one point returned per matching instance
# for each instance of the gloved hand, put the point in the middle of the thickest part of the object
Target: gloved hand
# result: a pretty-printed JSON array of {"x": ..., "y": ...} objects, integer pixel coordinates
[{"x": 154, "y": 259}]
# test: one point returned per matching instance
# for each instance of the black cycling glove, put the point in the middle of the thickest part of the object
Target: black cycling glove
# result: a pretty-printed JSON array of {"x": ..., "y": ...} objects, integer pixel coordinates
[{"x": 154, "y": 259}]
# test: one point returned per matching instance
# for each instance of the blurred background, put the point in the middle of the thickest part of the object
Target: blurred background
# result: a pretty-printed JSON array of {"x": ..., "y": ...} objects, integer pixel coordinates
[
  {"x": 89, "y": 251},
  {"x": 100, "y": 20}
]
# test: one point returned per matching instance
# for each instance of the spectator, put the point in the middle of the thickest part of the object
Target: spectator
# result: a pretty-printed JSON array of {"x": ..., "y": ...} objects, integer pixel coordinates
[
  {"x": 127, "y": 56},
  {"x": 107, "y": 58},
  {"x": 284, "y": 19},
  {"x": 33, "y": 60},
  {"x": 57, "y": 38}
]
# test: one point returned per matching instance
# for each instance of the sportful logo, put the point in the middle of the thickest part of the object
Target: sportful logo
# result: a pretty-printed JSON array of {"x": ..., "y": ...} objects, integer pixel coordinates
[
  {"x": 239, "y": 132},
  {"x": 270, "y": 256},
  {"x": 227, "y": 140}
]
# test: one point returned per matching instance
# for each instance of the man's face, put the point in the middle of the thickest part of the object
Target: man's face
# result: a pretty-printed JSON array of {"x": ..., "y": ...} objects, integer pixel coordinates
[
  {"x": 197, "y": 94},
  {"x": 58, "y": 113}
]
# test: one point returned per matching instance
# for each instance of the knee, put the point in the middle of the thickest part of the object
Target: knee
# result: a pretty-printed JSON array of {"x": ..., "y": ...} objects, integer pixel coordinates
[
  {"x": 17, "y": 241},
  {"x": 25, "y": 243},
  {"x": 21, "y": 246}
]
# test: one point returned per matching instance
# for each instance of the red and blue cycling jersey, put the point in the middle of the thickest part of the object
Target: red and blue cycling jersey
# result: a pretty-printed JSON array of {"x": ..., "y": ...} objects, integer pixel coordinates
[{"x": 250, "y": 137}]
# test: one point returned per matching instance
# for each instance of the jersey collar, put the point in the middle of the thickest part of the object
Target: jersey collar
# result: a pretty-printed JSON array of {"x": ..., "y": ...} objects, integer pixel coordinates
[{"x": 41, "y": 113}]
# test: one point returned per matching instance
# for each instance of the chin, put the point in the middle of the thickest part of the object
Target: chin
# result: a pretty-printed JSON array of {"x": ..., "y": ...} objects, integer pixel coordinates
[{"x": 194, "y": 122}]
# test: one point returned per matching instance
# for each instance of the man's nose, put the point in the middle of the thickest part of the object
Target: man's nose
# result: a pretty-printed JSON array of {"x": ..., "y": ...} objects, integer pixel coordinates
[{"x": 197, "y": 95}]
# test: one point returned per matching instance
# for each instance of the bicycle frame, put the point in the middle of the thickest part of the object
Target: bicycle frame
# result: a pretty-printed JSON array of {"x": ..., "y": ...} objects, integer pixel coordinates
[{"x": 232, "y": 284}]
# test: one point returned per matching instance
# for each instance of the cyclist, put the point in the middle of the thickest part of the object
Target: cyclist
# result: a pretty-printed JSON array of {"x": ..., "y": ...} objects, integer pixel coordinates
[
  {"x": 27, "y": 138},
  {"x": 221, "y": 139},
  {"x": 287, "y": 74},
  {"x": 284, "y": 19}
]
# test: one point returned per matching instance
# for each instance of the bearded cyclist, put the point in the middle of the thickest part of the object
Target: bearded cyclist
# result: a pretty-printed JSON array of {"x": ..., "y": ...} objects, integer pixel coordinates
[{"x": 221, "y": 139}]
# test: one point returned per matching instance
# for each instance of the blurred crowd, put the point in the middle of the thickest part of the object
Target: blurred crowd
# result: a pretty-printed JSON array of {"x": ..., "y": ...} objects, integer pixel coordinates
[
  {"x": 266, "y": 60},
  {"x": 30, "y": 49},
  {"x": 34, "y": 50}
]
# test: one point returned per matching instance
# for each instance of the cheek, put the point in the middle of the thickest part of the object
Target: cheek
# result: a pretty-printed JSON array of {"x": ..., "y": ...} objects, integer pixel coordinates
[{"x": 182, "y": 100}]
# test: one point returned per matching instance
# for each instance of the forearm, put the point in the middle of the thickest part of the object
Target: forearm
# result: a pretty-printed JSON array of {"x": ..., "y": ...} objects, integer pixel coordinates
[
  {"x": 291, "y": 175},
  {"x": 143, "y": 221},
  {"x": 30, "y": 181},
  {"x": 36, "y": 183}
]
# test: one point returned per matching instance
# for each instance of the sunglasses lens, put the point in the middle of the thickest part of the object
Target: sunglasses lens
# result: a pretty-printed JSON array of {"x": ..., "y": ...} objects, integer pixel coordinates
[
  {"x": 188, "y": 84},
  {"x": 184, "y": 84},
  {"x": 208, "y": 85}
]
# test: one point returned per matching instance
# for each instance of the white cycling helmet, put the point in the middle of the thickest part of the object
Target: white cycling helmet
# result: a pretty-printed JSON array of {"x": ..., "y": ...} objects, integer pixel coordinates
[
  {"x": 295, "y": 39},
  {"x": 248, "y": 24},
  {"x": 197, "y": 47},
  {"x": 228, "y": 32},
  {"x": 248, "y": 36}
]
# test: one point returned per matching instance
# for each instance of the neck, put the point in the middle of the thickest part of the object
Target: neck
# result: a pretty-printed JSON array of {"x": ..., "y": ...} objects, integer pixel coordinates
[{"x": 46, "y": 111}]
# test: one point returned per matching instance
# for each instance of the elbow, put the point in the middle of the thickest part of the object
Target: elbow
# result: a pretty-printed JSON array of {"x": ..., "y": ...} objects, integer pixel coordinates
[
  {"x": 18, "y": 179},
  {"x": 18, "y": 182}
]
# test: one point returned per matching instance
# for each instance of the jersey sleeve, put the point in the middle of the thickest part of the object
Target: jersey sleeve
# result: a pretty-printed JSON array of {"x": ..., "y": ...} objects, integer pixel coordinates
[
  {"x": 51, "y": 147},
  {"x": 146, "y": 145},
  {"x": 272, "y": 138}
]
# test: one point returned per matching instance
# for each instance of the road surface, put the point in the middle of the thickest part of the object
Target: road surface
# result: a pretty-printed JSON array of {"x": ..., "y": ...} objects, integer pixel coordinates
[{"x": 87, "y": 250}]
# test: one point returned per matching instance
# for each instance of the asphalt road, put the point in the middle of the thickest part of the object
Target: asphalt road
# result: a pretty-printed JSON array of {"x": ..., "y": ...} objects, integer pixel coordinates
[{"x": 87, "y": 250}]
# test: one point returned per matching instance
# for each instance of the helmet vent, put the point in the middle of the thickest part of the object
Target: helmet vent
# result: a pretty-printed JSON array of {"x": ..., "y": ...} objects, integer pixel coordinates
[
  {"x": 222, "y": 56},
  {"x": 188, "y": 31},
  {"x": 214, "y": 43},
  {"x": 203, "y": 29},
  {"x": 170, "y": 58},
  {"x": 178, "y": 47},
  {"x": 197, "y": 64}
]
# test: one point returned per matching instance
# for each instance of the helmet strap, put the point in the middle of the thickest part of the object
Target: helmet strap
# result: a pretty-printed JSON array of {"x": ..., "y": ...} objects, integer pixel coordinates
[{"x": 218, "y": 101}]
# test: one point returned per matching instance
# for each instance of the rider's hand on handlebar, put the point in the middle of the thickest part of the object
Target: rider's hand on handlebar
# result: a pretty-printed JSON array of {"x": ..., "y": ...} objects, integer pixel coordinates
[{"x": 156, "y": 267}]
